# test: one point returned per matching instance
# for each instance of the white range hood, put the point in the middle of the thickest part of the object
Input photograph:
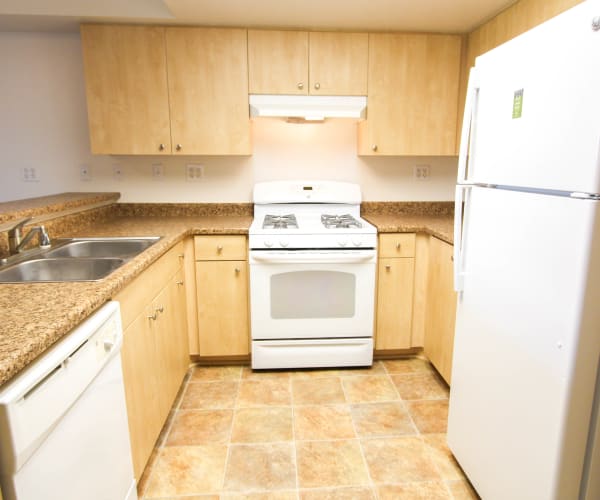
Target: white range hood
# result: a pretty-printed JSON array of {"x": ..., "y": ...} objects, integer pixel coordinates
[{"x": 308, "y": 107}]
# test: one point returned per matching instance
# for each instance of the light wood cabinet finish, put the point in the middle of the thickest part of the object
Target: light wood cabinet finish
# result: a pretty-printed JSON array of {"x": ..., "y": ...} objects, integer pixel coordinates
[
  {"x": 220, "y": 247},
  {"x": 126, "y": 89},
  {"x": 413, "y": 95},
  {"x": 338, "y": 63},
  {"x": 189, "y": 266},
  {"x": 301, "y": 63},
  {"x": 222, "y": 307},
  {"x": 278, "y": 62},
  {"x": 208, "y": 91},
  {"x": 397, "y": 245},
  {"x": 394, "y": 303},
  {"x": 441, "y": 308},
  {"x": 154, "y": 356}
]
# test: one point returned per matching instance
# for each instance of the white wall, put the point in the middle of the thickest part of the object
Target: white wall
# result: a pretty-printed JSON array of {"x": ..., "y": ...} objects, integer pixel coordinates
[{"x": 43, "y": 124}]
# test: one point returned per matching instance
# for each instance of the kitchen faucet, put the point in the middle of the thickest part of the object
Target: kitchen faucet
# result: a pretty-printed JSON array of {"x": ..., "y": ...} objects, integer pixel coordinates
[{"x": 16, "y": 243}]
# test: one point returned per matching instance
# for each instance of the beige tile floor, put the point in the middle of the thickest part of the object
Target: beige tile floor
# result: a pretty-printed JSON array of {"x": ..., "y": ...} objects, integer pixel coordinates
[{"x": 352, "y": 434}]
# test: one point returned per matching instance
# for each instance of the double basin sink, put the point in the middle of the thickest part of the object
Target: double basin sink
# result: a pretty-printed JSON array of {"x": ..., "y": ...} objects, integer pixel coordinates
[{"x": 73, "y": 259}]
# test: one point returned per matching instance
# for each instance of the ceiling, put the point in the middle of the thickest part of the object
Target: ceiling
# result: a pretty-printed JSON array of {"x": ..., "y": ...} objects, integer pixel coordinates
[{"x": 449, "y": 16}]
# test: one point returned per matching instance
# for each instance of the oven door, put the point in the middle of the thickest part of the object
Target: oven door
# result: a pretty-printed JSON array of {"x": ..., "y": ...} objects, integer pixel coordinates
[{"x": 307, "y": 294}]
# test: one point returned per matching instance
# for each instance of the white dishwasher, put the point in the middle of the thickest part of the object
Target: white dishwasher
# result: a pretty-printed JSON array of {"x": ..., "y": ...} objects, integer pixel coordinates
[{"x": 63, "y": 422}]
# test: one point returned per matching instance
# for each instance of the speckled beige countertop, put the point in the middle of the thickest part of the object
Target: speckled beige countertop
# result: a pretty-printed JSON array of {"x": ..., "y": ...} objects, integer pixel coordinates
[
  {"x": 34, "y": 316},
  {"x": 440, "y": 226}
]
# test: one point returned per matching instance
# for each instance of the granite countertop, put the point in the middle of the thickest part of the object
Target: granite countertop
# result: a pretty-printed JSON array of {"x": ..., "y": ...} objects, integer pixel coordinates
[
  {"x": 440, "y": 226},
  {"x": 34, "y": 316}
]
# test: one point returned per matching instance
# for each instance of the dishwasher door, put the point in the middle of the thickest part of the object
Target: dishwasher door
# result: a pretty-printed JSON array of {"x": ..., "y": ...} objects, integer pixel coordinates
[{"x": 63, "y": 422}]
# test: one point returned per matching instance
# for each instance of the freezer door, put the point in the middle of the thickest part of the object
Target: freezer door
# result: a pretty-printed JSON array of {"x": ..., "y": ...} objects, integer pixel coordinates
[
  {"x": 527, "y": 345},
  {"x": 536, "y": 109}
]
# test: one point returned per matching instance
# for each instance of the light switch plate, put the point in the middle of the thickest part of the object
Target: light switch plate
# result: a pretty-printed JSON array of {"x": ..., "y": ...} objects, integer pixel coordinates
[{"x": 85, "y": 173}]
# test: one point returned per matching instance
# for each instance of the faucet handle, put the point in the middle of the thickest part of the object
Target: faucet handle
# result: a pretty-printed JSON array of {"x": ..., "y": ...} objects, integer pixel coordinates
[
  {"x": 18, "y": 225},
  {"x": 44, "y": 237}
]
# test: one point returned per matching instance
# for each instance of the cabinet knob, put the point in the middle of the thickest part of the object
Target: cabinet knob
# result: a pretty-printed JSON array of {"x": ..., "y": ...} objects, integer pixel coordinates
[
  {"x": 398, "y": 245},
  {"x": 161, "y": 147},
  {"x": 317, "y": 85},
  {"x": 374, "y": 147},
  {"x": 219, "y": 248},
  {"x": 181, "y": 256},
  {"x": 300, "y": 85},
  {"x": 237, "y": 270},
  {"x": 179, "y": 282},
  {"x": 153, "y": 317},
  {"x": 160, "y": 309},
  {"x": 388, "y": 267},
  {"x": 452, "y": 258},
  {"x": 179, "y": 147}
]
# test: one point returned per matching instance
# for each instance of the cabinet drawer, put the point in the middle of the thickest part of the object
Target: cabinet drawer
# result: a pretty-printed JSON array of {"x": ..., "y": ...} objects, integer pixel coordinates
[
  {"x": 220, "y": 247},
  {"x": 135, "y": 296},
  {"x": 397, "y": 245}
]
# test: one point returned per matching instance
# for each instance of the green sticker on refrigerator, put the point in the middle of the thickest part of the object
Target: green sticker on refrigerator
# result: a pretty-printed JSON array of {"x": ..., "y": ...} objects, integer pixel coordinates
[{"x": 518, "y": 104}]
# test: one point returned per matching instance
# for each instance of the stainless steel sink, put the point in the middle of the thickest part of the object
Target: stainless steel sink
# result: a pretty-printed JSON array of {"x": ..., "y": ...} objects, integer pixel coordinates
[
  {"x": 73, "y": 259},
  {"x": 61, "y": 269},
  {"x": 102, "y": 247}
]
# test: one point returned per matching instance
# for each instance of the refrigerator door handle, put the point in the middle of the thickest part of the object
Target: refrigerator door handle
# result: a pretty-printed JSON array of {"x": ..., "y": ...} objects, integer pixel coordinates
[
  {"x": 466, "y": 135},
  {"x": 460, "y": 229}
]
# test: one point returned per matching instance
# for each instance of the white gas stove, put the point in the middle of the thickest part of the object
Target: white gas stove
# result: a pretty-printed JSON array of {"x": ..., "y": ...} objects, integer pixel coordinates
[{"x": 312, "y": 276}]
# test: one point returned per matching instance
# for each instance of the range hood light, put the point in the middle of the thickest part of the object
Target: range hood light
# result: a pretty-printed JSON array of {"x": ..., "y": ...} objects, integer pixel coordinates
[{"x": 310, "y": 108}]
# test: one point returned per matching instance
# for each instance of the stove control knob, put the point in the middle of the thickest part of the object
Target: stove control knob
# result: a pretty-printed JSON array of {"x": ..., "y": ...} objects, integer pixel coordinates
[
  {"x": 357, "y": 243},
  {"x": 342, "y": 243},
  {"x": 268, "y": 243},
  {"x": 284, "y": 243}
]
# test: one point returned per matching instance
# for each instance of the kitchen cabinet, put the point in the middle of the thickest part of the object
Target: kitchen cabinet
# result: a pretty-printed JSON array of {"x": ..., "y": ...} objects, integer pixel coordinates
[
  {"x": 154, "y": 354},
  {"x": 395, "y": 282},
  {"x": 222, "y": 296},
  {"x": 126, "y": 88},
  {"x": 441, "y": 308},
  {"x": 316, "y": 63},
  {"x": 208, "y": 91},
  {"x": 157, "y": 90},
  {"x": 413, "y": 95}
]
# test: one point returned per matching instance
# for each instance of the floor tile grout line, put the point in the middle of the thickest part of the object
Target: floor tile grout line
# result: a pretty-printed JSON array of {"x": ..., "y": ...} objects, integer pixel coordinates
[
  {"x": 229, "y": 444},
  {"x": 360, "y": 447}
]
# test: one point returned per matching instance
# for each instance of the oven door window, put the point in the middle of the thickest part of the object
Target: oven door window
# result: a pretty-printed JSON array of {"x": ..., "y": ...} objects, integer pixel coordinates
[{"x": 313, "y": 294}]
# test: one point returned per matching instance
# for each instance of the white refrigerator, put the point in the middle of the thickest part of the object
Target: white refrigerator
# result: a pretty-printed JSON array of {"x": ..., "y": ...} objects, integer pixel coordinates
[{"x": 523, "y": 415}]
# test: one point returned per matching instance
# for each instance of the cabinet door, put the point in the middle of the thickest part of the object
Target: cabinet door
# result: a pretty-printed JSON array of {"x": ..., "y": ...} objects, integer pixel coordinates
[
  {"x": 139, "y": 360},
  {"x": 126, "y": 87},
  {"x": 338, "y": 63},
  {"x": 278, "y": 62},
  {"x": 174, "y": 336},
  {"x": 208, "y": 91},
  {"x": 413, "y": 95},
  {"x": 441, "y": 308},
  {"x": 394, "y": 303},
  {"x": 222, "y": 307}
]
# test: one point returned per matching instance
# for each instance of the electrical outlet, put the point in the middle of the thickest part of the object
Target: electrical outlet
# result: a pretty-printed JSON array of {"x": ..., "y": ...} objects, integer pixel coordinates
[
  {"x": 194, "y": 172},
  {"x": 158, "y": 171},
  {"x": 30, "y": 174},
  {"x": 85, "y": 173},
  {"x": 421, "y": 172},
  {"x": 117, "y": 172}
]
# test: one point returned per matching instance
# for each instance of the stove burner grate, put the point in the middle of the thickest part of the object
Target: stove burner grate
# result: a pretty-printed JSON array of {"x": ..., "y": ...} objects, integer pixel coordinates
[
  {"x": 280, "y": 221},
  {"x": 345, "y": 221}
]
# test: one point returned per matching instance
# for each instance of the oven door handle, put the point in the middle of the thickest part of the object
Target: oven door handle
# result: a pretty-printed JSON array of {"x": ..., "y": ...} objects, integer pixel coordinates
[{"x": 313, "y": 258}]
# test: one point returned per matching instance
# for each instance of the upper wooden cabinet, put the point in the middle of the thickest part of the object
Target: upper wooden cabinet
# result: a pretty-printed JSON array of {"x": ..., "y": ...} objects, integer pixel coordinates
[
  {"x": 413, "y": 95},
  {"x": 156, "y": 90},
  {"x": 297, "y": 62},
  {"x": 208, "y": 91},
  {"x": 126, "y": 86}
]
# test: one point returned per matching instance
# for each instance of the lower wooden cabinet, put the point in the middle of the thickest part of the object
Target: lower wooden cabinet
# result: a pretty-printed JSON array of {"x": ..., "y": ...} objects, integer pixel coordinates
[
  {"x": 395, "y": 284},
  {"x": 155, "y": 350},
  {"x": 441, "y": 308},
  {"x": 222, "y": 296}
]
